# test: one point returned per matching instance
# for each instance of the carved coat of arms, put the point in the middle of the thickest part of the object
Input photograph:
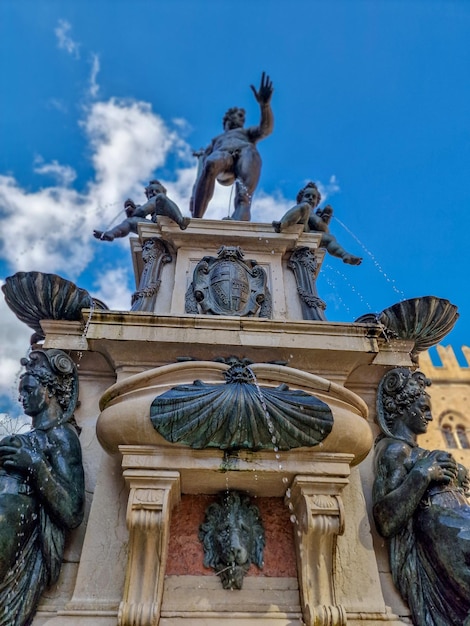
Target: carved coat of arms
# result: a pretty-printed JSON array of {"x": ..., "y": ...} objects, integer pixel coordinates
[{"x": 228, "y": 285}]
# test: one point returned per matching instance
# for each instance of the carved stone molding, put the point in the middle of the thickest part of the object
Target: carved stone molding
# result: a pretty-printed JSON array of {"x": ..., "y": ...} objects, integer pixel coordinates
[
  {"x": 305, "y": 267},
  {"x": 319, "y": 514},
  {"x": 155, "y": 254},
  {"x": 153, "y": 494}
]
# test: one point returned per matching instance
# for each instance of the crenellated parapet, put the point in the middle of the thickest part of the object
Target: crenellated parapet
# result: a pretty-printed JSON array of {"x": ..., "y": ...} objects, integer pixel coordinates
[
  {"x": 450, "y": 395},
  {"x": 450, "y": 369}
]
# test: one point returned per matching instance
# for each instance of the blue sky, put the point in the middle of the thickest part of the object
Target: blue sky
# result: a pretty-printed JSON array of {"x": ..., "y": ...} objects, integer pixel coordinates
[{"x": 372, "y": 101}]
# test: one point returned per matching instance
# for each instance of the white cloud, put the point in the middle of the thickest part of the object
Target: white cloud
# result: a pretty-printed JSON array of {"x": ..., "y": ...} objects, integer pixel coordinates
[
  {"x": 65, "y": 42},
  {"x": 45, "y": 227},
  {"x": 128, "y": 142},
  {"x": 64, "y": 174},
  {"x": 113, "y": 288},
  {"x": 52, "y": 227},
  {"x": 50, "y": 230},
  {"x": 14, "y": 344},
  {"x": 95, "y": 68},
  {"x": 267, "y": 208},
  {"x": 328, "y": 189},
  {"x": 57, "y": 104}
]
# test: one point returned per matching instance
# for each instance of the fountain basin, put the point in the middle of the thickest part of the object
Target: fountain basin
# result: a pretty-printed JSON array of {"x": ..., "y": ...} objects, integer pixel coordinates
[{"x": 125, "y": 410}]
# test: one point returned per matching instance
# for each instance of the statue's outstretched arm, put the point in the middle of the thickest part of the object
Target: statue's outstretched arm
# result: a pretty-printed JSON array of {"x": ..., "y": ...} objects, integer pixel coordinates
[
  {"x": 329, "y": 242},
  {"x": 263, "y": 97}
]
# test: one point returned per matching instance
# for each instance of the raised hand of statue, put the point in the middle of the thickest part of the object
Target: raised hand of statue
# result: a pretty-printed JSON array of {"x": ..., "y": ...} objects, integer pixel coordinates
[
  {"x": 463, "y": 479},
  {"x": 325, "y": 214},
  {"x": 265, "y": 92},
  {"x": 439, "y": 466},
  {"x": 15, "y": 453}
]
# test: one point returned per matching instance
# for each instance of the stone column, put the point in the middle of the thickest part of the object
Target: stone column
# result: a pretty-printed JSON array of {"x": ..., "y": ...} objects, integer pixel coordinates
[
  {"x": 319, "y": 512},
  {"x": 153, "y": 494}
]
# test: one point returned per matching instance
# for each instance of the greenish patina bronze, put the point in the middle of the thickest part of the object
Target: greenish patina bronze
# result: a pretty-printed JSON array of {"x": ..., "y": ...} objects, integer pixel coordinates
[
  {"x": 36, "y": 296},
  {"x": 41, "y": 486},
  {"x": 425, "y": 320},
  {"x": 420, "y": 504},
  {"x": 157, "y": 204},
  {"x": 233, "y": 538},
  {"x": 240, "y": 415},
  {"x": 315, "y": 220},
  {"x": 232, "y": 157}
]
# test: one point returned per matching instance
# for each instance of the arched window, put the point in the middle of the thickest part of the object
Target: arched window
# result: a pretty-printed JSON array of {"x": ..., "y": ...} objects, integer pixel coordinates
[
  {"x": 454, "y": 430},
  {"x": 461, "y": 433},
  {"x": 448, "y": 436}
]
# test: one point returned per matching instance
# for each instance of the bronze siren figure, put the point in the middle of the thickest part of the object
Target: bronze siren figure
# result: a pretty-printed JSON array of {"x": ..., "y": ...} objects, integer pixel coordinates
[
  {"x": 42, "y": 490},
  {"x": 420, "y": 505}
]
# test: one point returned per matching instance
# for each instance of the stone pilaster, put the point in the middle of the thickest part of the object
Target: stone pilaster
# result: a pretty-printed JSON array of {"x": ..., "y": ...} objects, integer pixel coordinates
[
  {"x": 155, "y": 253},
  {"x": 153, "y": 494},
  {"x": 320, "y": 517}
]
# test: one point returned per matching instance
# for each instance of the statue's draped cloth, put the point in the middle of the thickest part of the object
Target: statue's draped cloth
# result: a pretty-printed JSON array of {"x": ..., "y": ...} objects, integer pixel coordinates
[{"x": 430, "y": 556}]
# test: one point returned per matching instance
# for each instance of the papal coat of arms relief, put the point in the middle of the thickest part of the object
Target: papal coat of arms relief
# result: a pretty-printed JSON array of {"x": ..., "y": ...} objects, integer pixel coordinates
[{"x": 229, "y": 285}]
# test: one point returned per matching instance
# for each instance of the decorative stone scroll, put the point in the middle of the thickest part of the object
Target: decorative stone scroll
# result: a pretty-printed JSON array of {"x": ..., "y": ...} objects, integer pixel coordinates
[
  {"x": 155, "y": 254},
  {"x": 319, "y": 514},
  {"x": 229, "y": 285},
  {"x": 153, "y": 494},
  {"x": 305, "y": 266}
]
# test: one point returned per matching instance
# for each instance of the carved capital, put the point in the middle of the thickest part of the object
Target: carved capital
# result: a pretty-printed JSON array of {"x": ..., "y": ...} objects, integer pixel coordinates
[
  {"x": 152, "y": 496},
  {"x": 319, "y": 513}
]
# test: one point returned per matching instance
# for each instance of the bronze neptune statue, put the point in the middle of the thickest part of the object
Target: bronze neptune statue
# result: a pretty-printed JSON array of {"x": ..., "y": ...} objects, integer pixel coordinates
[
  {"x": 315, "y": 220},
  {"x": 232, "y": 157},
  {"x": 420, "y": 504},
  {"x": 41, "y": 486}
]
